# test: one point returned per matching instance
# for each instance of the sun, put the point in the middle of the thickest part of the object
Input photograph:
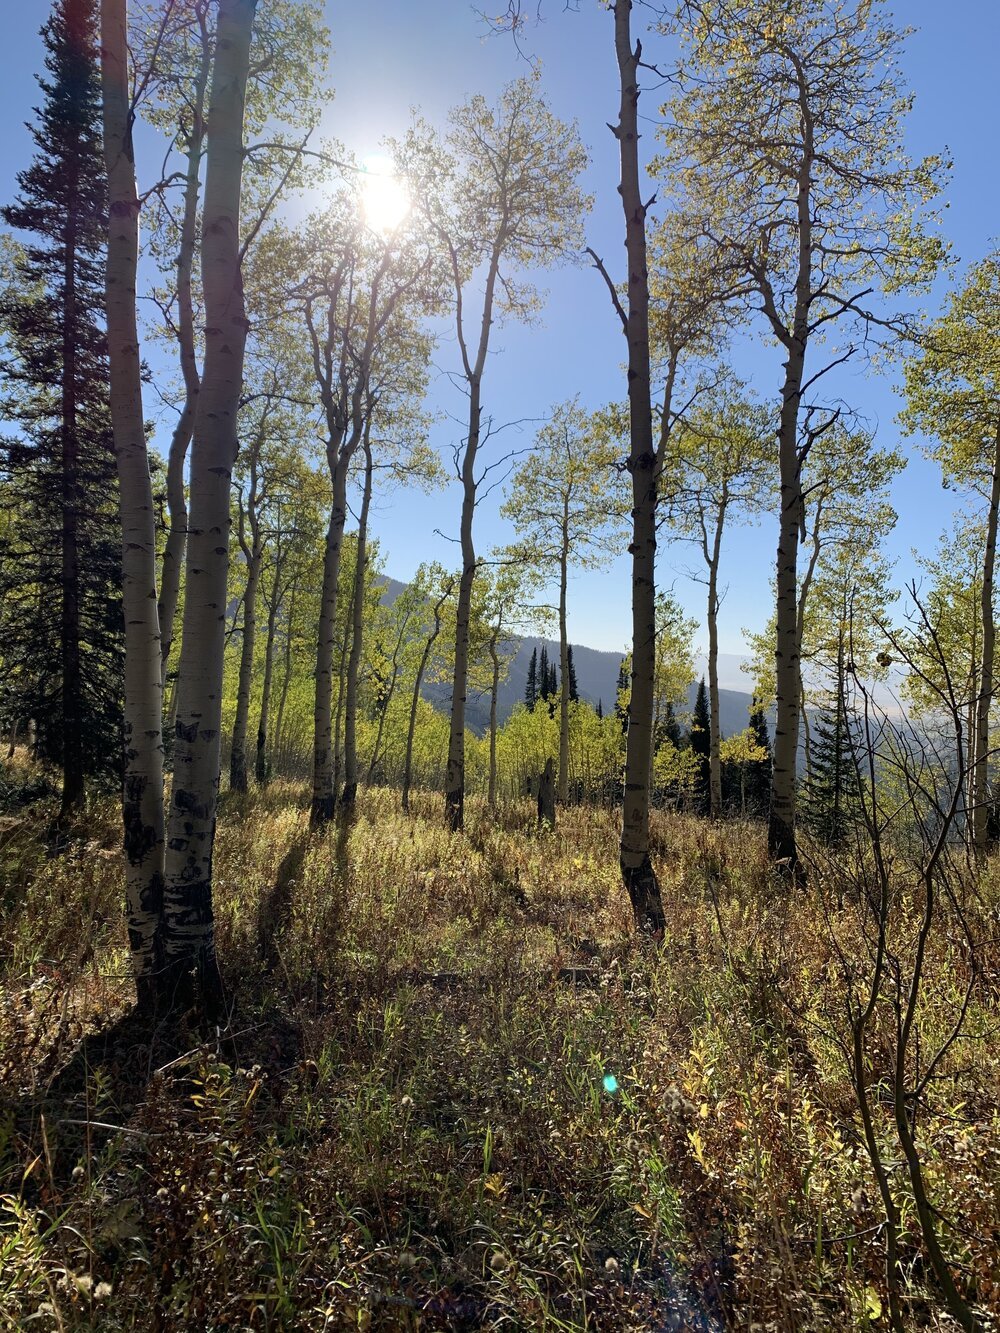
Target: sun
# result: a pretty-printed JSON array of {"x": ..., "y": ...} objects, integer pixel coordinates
[{"x": 384, "y": 198}]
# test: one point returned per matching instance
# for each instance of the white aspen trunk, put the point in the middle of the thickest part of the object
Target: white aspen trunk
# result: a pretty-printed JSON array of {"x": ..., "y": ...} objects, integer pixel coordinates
[
  {"x": 173, "y": 551},
  {"x": 491, "y": 797},
  {"x": 142, "y": 791},
  {"x": 415, "y": 701},
  {"x": 636, "y": 867},
  {"x": 788, "y": 640},
  {"x": 254, "y": 557},
  {"x": 324, "y": 781},
  {"x": 188, "y": 916},
  {"x": 286, "y": 675},
  {"x": 980, "y": 788},
  {"x": 350, "y": 793},
  {"x": 454, "y": 795},
  {"x": 563, "y": 660},
  {"x": 261, "y": 760},
  {"x": 714, "y": 712}
]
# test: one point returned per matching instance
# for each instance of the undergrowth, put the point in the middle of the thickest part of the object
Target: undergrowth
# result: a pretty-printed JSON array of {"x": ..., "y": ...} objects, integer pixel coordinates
[{"x": 458, "y": 1093}]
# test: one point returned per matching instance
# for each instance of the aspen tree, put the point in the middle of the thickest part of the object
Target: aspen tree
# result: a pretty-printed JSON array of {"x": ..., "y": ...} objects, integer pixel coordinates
[
  {"x": 188, "y": 919},
  {"x": 500, "y": 193},
  {"x": 784, "y": 154},
  {"x": 142, "y": 794},
  {"x": 718, "y": 469},
  {"x": 953, "y": 397},
  {"x": 563, "y": 503}
]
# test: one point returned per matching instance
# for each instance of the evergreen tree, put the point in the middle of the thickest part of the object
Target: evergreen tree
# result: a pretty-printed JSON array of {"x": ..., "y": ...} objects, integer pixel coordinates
[
  {"x": 669, "y": 728},
  {"x": 700, "y": 741},
  {"x": 531, "y": 688},
  {"x": 622, "y": 691},
  {"x": 758, "y": 777},
  {"x": 574, "y": 689},
  {"x": 830, "y": 794},
  {"x": 61, "y": 617},
  {"x": 544, "y": 675},
  {"x": 600, "y": 709}
]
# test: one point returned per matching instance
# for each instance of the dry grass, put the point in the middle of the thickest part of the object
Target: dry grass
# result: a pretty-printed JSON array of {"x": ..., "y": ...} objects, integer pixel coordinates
[{"x": 458, "y": 1093}]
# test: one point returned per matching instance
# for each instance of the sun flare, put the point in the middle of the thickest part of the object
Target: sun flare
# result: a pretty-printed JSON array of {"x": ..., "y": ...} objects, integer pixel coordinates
[{"x": 384, "y": 197}]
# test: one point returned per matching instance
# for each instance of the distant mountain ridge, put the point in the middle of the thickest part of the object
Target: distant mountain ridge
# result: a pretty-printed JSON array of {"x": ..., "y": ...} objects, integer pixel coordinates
[{"x": 596, "y": 678}]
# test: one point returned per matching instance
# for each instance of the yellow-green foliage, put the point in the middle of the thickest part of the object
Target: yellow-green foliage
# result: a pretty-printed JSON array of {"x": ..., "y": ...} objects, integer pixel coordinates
[{"x": 458, "y": 1092}]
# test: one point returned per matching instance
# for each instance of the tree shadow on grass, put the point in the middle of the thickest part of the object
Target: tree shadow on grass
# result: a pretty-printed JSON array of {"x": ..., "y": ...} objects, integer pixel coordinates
[{"x": 72, "y": 1106}]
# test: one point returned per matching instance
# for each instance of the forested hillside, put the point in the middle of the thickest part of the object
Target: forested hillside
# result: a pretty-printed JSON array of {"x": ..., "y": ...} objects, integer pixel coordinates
[{"x": 595, "y": 926}]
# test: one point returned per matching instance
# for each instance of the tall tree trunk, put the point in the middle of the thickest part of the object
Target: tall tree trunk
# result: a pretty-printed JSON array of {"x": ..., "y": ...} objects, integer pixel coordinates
[
  {"x": 241, "y": 722},
  {"x": 173, "y": 551},
  {"x": 788, "y": 639},
  {"x": 189, "y": 924},
  {"x": 980, "y": 788},
  {"x": 563, "y": 660},
  {"x": 350, "y": 793},
  {"x": 73, "y": 786},
  {"x": 286, "y": 675},
  {"x": 415, "y": 702},
  {"x": 324, "y": 783},
  {"x": 714, "y": 711},
  {"x": 636, "y": 867},
  {"x": 142, "y": 790},
  {"x": 787, "y": 665},
  {"x": 345, "y": 648},
  {"x": 261, "y": 761},
  {"x": 454, "y": 795},
  {"x": 491, "y": 796}
]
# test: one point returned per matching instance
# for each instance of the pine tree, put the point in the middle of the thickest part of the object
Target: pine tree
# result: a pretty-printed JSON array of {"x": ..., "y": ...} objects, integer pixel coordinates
[
  {"x": 61, "y": 554},
  {"x": 622, "y": 690},
  {"x": 600, "y": 709},
  {"x": 758, "y": 778},
  {"x": 544, "y": 675},
  {"x": 700, "y": 741},
  {"x": 669, "y": 728},
  {"x": 574, "y": 690},
  {"x": 531, "y": 688},
  {"x": 830, "y": 794}
]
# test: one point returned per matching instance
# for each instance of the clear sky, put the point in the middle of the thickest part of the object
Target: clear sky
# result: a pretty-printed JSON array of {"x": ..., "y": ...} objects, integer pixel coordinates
[{"x": 397, "y": 54}]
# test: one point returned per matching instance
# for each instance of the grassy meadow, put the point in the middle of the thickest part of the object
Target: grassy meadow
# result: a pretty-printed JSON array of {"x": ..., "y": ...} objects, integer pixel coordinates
[{"x": 458, "y": 1092}]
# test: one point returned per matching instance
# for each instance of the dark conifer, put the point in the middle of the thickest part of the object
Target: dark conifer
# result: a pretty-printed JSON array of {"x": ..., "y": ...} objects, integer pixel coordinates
[
  {"x": 60, "y": 555},
  {"x": 699, "y": 738},
  {"x": 622, "y": 693},
  {"x": 574, "y": 691},
  {"x": 531, "y": 688},
  {"x": 758, "y": 775},
  {"x": 830, "y": 800}
]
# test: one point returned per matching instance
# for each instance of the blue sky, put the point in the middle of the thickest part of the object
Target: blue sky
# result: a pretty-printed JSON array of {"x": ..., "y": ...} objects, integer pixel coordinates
[{"x": 400, "y": 54}]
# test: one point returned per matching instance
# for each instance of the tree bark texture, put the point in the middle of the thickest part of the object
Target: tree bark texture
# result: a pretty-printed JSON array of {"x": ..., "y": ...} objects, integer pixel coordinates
[
  {"x": 188, "y": 915},
  {"x": 350, "y": 793},
  {"x": 142, "y": 789},
  {"x": 324, "y": 781},
  {"x": 636, "y": 867}
]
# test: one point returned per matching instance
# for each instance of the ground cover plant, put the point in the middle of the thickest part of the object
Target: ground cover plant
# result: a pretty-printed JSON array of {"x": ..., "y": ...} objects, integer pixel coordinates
[{"x": 458, "y": 1090}]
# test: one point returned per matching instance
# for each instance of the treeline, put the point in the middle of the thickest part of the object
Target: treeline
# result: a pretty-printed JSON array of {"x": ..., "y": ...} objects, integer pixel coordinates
[{"x": 296, "y": 359}]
